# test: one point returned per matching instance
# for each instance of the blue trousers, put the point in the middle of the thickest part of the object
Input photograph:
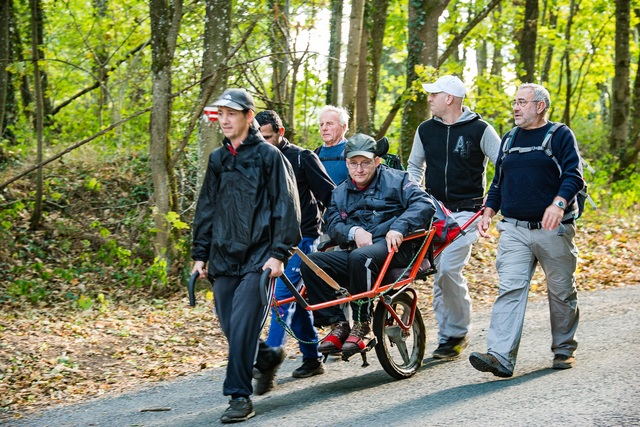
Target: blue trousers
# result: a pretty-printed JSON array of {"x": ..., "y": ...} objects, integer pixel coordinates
[{"x": 298, "y": 319}]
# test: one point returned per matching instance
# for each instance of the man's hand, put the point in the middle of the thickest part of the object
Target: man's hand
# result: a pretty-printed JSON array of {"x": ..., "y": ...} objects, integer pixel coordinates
[
  {"x": 485, "y": 222},
  {"x": 553, "y": 216},
  {"x": 363, "y": 238},
  {"x": 200, "y": 268},
  {"x": 276, "y": 266},
  {"x": 394, "y": 240}
]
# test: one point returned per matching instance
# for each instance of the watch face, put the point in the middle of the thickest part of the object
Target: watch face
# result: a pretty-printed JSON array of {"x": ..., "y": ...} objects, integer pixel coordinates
[{"x": 559, "y": 203}]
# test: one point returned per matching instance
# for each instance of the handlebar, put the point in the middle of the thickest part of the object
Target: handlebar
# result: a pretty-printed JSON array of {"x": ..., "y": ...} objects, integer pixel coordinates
[{"x": 192, "y": 288}]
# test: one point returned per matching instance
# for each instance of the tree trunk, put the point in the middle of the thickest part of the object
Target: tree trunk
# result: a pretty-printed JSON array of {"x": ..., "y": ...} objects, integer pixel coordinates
[
  {"x": 335, "y": 49},
  {"x": 527, "y": 45},
  {"x": 422, "y": 49},
  {"x": 621, "y": 99},
  {"x": 5, "y": 49},
  {"x": 350, "y": 82},
  {"x": 566, "y": 115},
  {"x": 378, "y": 23},
  {"x": 279, "y": 41},
  {"x": 100, "y": 61},
  {"x": 44, "y": 79},
  {"x": 548, "y": 59},
  {"x": 165, "y": 23},
  {"x": 362, "y": 93},
  {"x": 37, "y": 84},
  {"x": 217, "y": 40}
]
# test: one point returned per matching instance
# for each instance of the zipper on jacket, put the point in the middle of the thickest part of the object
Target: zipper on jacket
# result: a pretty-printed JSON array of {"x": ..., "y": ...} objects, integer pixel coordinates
[{"x": 446, "y": 165}]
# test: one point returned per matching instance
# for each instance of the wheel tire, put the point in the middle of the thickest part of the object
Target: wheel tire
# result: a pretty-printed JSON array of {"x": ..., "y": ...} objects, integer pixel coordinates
[{"x": 400, "y": 353}]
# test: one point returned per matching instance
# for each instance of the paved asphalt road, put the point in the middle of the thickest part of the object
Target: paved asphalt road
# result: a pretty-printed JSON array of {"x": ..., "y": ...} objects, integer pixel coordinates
[{"x": 602, "y": 390}]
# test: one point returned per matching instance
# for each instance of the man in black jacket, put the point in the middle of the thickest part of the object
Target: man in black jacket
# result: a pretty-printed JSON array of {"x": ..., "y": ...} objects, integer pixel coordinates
[
  {"x": 369, "y": 215},
  {"x": 314, "y": 191},
  {"x": 247, "y": 218}
]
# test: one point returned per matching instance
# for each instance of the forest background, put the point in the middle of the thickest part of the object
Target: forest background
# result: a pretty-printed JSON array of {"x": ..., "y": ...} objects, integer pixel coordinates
[{"x": 103, "y": 140}]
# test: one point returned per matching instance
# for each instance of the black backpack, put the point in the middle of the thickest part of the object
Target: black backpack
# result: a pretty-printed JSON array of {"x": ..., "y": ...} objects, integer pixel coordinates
[{"x": 582, "y": 195}]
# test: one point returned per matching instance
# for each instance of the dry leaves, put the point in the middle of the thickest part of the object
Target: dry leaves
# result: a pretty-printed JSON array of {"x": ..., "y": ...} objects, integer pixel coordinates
[{"x": 53, "y": 354}]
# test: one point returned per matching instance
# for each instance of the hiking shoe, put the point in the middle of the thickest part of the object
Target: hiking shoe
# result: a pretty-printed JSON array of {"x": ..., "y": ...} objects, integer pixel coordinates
[
  {"x": 309, "y": 368},
  {"x": 338, "y": 335},
  {"x": 358, "y": 338},
  {"x": 562, "y": 361},
  {"x": 267, "y": 379},
  {"x": 240, "y": 409},
  {"x": 485, "y": 362},
  {"x": 451, "y": 348}
]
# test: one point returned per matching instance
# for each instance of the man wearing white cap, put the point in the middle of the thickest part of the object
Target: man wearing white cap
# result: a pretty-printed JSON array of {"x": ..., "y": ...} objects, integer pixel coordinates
[{"x": 450, "y": 153}]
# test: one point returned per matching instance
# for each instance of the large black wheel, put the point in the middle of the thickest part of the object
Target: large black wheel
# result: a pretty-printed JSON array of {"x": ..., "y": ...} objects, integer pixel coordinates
[{"x": 400, "y": 352}]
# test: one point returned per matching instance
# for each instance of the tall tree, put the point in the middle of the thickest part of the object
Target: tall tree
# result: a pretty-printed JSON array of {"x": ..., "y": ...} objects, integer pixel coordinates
[
  {"x": 361, "y": 119},
  {"x": 377, "y": 24},
  {"x": 279, "y": 41},
  {"x": 422, "y": 49},
  {"x": 36, "y": 20},
  {"x": 551, "y": 21},
  {"x": 335, "y": 49},
  {"x": 166, "y": 16},
  {"x": 621, "y": 99},
  {"x": 350, "y": 82},
  {"x": 5, "y": 49},
  {"x": 216, "y": 42},
  {"x": 566, "y": 61},
  {"x": 527, "y": 42}
]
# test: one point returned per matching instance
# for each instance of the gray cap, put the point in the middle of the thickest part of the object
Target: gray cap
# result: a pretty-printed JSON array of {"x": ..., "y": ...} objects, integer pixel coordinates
[
  {"x": 361, "y": 145},
  {"x": 236, "y": 99}
]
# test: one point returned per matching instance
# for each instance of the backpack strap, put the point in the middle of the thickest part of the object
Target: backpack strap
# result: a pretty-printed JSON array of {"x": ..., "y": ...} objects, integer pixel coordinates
[{"x": 545, "y": 146}]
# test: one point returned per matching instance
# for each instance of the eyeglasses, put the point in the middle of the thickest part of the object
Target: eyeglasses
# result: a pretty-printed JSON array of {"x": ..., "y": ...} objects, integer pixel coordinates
[
  {"x": 363, "y": 165},
  {"x": 521, "y": 102}
]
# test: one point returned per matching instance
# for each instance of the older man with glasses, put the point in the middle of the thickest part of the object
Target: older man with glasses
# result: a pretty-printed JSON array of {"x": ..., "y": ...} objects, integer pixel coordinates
[
  {"x": 369, "y": 215},
  {"x": 535, "y": 191}
]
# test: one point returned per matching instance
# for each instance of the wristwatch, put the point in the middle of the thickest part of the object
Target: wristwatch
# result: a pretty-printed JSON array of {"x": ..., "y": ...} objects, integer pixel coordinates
[{"x": 559, "y": 203}]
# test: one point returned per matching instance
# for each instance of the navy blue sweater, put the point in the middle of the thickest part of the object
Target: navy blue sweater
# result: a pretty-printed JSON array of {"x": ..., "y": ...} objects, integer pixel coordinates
[{"x": 525, "y": 184}]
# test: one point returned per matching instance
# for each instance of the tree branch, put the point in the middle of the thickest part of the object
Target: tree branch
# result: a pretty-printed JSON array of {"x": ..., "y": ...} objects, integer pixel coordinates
[{"x": 465, "y": 31}]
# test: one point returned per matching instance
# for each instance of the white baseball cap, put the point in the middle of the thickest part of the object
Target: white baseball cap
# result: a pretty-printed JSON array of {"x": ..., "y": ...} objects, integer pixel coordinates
[{"x": 448, "y": 84}]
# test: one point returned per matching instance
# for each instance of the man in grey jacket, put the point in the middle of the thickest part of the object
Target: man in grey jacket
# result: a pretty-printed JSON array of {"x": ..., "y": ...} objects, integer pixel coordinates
[
  {"x": 450, "y": 153},
  {"x": 369, "y": 215}
]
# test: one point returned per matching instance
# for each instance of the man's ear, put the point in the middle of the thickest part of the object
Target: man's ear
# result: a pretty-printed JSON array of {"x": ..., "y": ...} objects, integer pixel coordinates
[{"x": 281, "y": 131}]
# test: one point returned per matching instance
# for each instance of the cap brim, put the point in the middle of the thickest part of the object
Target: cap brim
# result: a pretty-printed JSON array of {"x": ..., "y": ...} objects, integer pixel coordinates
[
  {"x": 368, "y": 154},
  {"x": 431, "y": 88},
  {"x": 229, "y": 104}
]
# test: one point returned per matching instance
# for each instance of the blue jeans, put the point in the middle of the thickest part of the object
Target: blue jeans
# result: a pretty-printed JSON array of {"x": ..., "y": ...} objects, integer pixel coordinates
[{"x": 298, "y": 319}]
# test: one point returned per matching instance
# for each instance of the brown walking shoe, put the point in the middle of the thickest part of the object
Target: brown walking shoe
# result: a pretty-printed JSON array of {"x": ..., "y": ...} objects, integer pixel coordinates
[
  {"x": 333, "y": 342},
  {"x": 358, "y": 338}
]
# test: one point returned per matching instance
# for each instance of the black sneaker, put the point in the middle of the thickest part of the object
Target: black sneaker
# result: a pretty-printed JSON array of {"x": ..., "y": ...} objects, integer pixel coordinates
[
  {"x": 309, "y": 368},
  {"x": 562, "y": 361},
  {"x": 450, "y": 349},
  {"x": 485, "y": 362},
  {"x": 240, "y": 409},
  {"x": 267, "y": 378}
]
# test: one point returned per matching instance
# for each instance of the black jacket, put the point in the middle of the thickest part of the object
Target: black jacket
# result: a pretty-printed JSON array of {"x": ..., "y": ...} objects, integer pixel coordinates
[
  {"x": 391, "y": 202},
  {"x": 314, "y": 186},
  {"x": 248, "y": 209},
  {"x": 455, "y": 168}
]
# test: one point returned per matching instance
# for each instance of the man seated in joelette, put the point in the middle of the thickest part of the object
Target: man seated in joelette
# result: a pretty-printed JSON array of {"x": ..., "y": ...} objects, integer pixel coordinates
[{"x": 369, "y": 215}]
